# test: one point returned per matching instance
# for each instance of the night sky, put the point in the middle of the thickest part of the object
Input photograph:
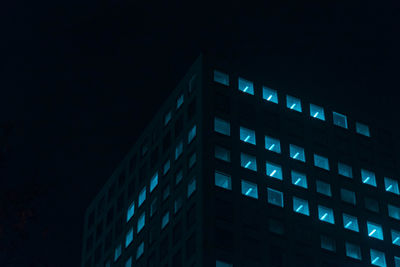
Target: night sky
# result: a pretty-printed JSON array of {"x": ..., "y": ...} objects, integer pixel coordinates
[{"x": 81, "y": 79}]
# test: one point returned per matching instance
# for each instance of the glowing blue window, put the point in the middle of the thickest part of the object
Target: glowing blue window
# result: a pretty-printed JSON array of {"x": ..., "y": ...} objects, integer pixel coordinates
[
  {"x": 270, "y": 95},
  {"x": 248, "y": 162},
  {"x": 274, "y": 170},
  {"x": 297, "y": 153},
  {"x": 222, "y": 264},
  {"x": 378, "y": 258},
  {"x": 326, "y": 214},
  {"x": 247, "y": 135},
  {"x": 348, "y": 196},
  {"x": 362, "y": 129},
  {"x": 374, "y": 230},
  {"x": 317, "y": 112},
  {"x": 368, "y": 177},
  {"x": 129, "y": 237},
  {"x": 395, "y": 237},
  {"x": 117, "y": 252},
  {"x": 222, "y": 154},
  {"x": 179, "y": 101},
  {"x": 275, "y": 197},
  {"x": 141, "y": 222},
  {"x": 178, "y": 150},
  {"x": 165, "y": 220},
  {"x": 191, "y": 187},
  {"x": 321, "y": 162},
  {"x": 345, "y": 170},
  {"x": 394, "y": 212},
  {"x": 142, "y": 196},
  {"x": 249, "y": 189},
  {"x": 272, "y": 144},
  {"x": 339, "y": 120},
  {"x": 223, "y": 180},
  {"x": 128, "y": 262},
  {"x": 167, "y": 166},
  {"x": 300, "y": 206},
  {"x": 167, "y": 117},
  {"x": 391, "y": 186},
  {"x": 221, "y": 78},
  {"x": 191, "y": 134},
  {"x": 153, "y": 181},
  {"x": 246, "y": 86},
  {"x": 328, "y": 243},
  {"x": 177, "y": 204},
  {"x": 396, "y": 261},
  {"x": 293, "y": 103},
  {"x": 299, "y": 179},
  {"x": 350, "y": 222},
  {"x": 222, "y": 126},
  {"x": 131, "y": 211},
  {"x": 323, "y": 188},
  {"x": 353, "y": 251},
  {"x": 140, "y": 250}
]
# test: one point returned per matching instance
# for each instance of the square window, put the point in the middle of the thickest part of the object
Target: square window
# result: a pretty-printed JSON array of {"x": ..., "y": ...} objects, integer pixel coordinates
[
  {"x": 270, "y": 95},
  {"x": 326, "y": 214},
  {"x": 293, "y": 103},
  {"x": 374, "y": 230},
  {"x": 140, "y": 250},
  {"x": 395, "y": 237},
  {"x": 391, "y": 186},
  {"x": 191, "y": 187},
  {"x": 317, "y": 112},
  {"x": 153, "y": 181},
  {"x": 300, "y": 206},
  {"x": 129, "y": 237},
  {"x": 274, "y": 170},
  {"x": 222, "y": 154},
  {"x": 142, "y": 196},
  {"x": 371, "y": 204},
  {"x": 394, "y": 212},
  {"x": 321, "y": 162},
  {"x": 297, "y": 153},
  {"x": 247, "y": 135},
  {"x": 131, "y": 211},
  {"x": 223, "y": 180},
  {"x": 178, "y": 150},
  {"x": 350, "y": 222},
  {"x": 248, "y": 162},
  {"x": 164, "y": 220},
  {"x": 222, "y": 126},
  {"x": 272, "y": 144},
  {"x": 378, "y": 258},
  {"x": 249, "y": 189},
  {"x": 323, "y": 188},
  {"x": 348, "y": 196},
  {"x": 192, "y": 134},
  {"x": 167, "y": 166},
  {"x": 221, "y": 78},
  {"x": 345, "y": 170},
  {"x": 353, "y": 251},
  {"x": 246, "y": 86},
  {"x": 339, "y": 120},
  {"x": 328, "y": 243},
  {"x": 167, "y": 117},
  {"x": 368, "y": 177},
  {"x": 362, "y": 129},
  {"x": 275, "y": 197},
  {"x": 141, "y": 222},
  {"x": 299, "y": 179},
  {"x": 179, "y": 101}
]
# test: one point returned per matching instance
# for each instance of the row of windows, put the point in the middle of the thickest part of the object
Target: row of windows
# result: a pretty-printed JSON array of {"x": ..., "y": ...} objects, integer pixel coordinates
[
  {"x": 297, "y": 153},
  {"x": 292, "y": 103}
]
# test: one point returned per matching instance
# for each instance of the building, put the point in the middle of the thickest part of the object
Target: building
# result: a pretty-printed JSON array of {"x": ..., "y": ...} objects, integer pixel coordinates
[{"x": 231, "y": 172}]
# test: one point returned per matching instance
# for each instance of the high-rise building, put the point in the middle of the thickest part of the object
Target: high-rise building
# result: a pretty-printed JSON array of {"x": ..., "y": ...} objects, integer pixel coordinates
[{"x": 231, "y": 172}]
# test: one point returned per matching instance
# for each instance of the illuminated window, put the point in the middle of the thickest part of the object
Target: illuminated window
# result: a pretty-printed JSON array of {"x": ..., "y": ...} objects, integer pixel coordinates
[
  {"x": 275, "y": 197},
  {"x": 317, "y": 112},
  {"x": 328, "y": 243},
  {"x": 192, "y": 134},
  {"x": 325, "y": 214},
  {"x": 396, "y": 261},
  {"x": 270, "y": 95},
  {"x": 222, "y": 126},
  {"x": 141, "y": 222},
  {"x": 153, "y": 181},
  {"x": 191, "y": 187},
  {"x": 246, "y": 86},
  {"x": 274, "y": 170},
  {"x": 362, "y": 129},
  {"x": 297, "y": 153},
  {"x": 129, "y": 237},
  {"x": 394, "y": 212},
  {"x": 140, "y": 250},
  {"x": 222, "y": 154},
  {"x": 165, "y": 220},
  {"x": 117, "y": 252},
  {"x": 179, "y": 101},
  {"x": 142, "y": 196},
  {"x": 377, "y": 258},
  {"x": 391, "y": 186},
  {"x": 128, "y": 262},
  {"x": 222, "y": 264},
  {"x": 249, "y": 189},
  {"x": 348, "y": 196},
  {"x": 223, "y": 180},
  {"x": 395, "y": 237},
  {"x": 177, "y": 204},
  {"x": 247, "y": 135},
  {"x": 321, "y": 162},
  {"x": 374, "y": 230},
  {"x": 368, "y": 177},
  {"x": 300, "y": 206},
  {"x": 293, "y": 103},
  {"x": 350, "y": 222},
  {"x": 339, "y": 120},
  {"x": 299, "y": 179},
  {"x": 248, "y": 162},
  {"x": 323, "y": 188},
  {"x": 167, "y": 166},
  {"x": 272, "y": 144},
  {"x": 167, "y": 117},
  {"x": 131, "y": 211},
  {"x": 353, "y": 251},
  {"x": 221, "y": 78},
  {"x": 178, "y": 150},
  {"x": 345, "y": 170}
]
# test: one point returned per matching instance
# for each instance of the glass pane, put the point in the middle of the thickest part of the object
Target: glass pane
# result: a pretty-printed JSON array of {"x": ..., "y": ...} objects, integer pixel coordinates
[
  {"x": 275, "y": 197},
  {"x": 348, "y": 196},
  {"x": 192, "y": 134},
  {"x": 165, "y": 220},
  {"x": 362, "y": 129},
  {"x": 129, "y": 237},
  {"x": 328, "y": 243},
  {"x": 178, "y": 150},
  {"x": 142, "y": 196},
  {"x": 222, "y": 154},
  {"x": 374, "y": 230},
  {"x": 325, "y": 214},
  {"x": 299, "y": 179},
  {"x": 222, "y": 126},
  {"x": 222, "y": 264},
  {"x": 300, "y": 206},
  {"x": 191, "y": 187},
  {"x": 323, "y": 188},
  {"x": 249, "y": 189},
  {"x": 293, "y": 103},
  {"x": 153, "y": 182},
  {"x": 246, "y": 86},
  {"x": 297, "y": 153},
  {"x": 167, "y": 117},
  {"x": 179, "y": 101},
  {"x": 221, "y": 78},
  {"x": 272, "y": 144},
  {"x": 128, "y": 262},
  {"x": 141, "y": 222},
  {"x": 247, "y": 161},
  {"x": 317, "y": 112},
  {"x": 371, "y": 204},
  {"x": 140, "y": 250},
  {"x": 131, "y": 211},
  {"x": 321, "y": 162},
  {"x": 378, "y": 258},
  {"x": 223, "y": 180},
  {"x": 394, "y": 212},
  {"x": 396, "y": 261},
  {"x": 270, "y": 95},
  {"x": 368, "y": 177},
  {"x": 274, "y": 170},
  {"x": 350, "y": 222},
  {"x": 167, "y": 165},
  {"x": 353, "y": 251},
  {"x": 395, "y": 237},
  {"x": 345, "y": 170},
  {"x": 247, "y": 135},
  {"x": 339, "y": 120},
  {"x": 391, "y": 186},
  {"x": 117, "y": 252}
]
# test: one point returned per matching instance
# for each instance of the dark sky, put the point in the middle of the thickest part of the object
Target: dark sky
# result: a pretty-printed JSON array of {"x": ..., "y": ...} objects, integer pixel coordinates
[{"x": 80, "y": 80}]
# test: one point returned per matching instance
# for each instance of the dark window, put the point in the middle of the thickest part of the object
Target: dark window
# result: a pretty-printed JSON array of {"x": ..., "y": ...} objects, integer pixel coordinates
[
  {"x": 224, "y": 239},
  {"x": 164, "y": 248},
  {"x": 222, "y": 103},
  {"x": 371, "y": 204},
  {"x": 177, "y": 232},
  {"x": 120, "y": 202},
  {"x": 191, "y": 216},
  {"x": 121, "y": 179},
  {"x": 178, "y": 126},
  {"x": 276, "y": 256},
  {"x": 276, "y": 227},
  {"x": 131, "y": 187},
  {"x": 110, "y": 215},
  {"x": 191, "y": 246},
  {"x": 154, "y": 157},
  {"x": 108, "y": 242},
  {"x": 142, "y": 173},
  {"x": 192, "y": 109},
  {"x": 177, "y": 259},
  {"x": 166, "y": 142}
]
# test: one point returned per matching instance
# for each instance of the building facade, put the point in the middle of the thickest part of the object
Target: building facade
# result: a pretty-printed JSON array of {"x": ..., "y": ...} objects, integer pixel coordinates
[{"x": 231, "y": 172}]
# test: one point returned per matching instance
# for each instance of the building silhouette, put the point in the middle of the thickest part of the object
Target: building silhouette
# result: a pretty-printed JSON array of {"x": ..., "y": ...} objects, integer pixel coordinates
[{"x": 231, "y": 172}]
